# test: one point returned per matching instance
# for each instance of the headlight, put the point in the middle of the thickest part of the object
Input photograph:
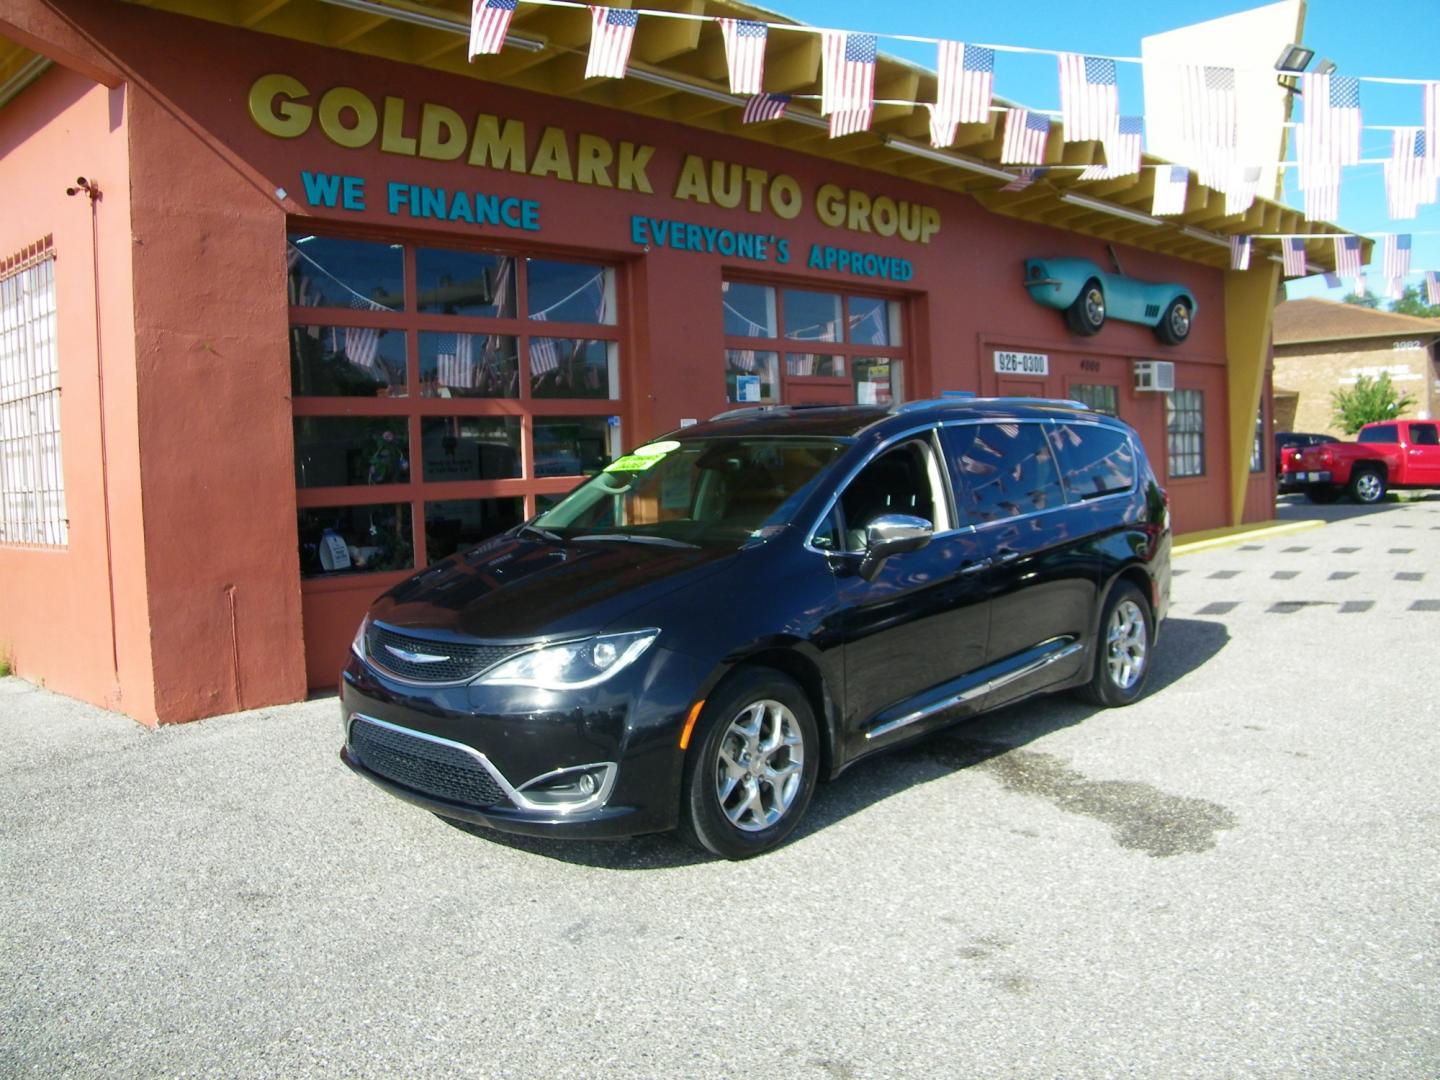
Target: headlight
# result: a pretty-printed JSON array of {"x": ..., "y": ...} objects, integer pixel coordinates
[
  {"x": 358, "y": 645},
  {"x": 571, "y": 665}
]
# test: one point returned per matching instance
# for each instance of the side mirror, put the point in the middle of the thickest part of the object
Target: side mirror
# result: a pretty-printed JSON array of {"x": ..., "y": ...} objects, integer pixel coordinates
[{"x": 892, "y": 534}]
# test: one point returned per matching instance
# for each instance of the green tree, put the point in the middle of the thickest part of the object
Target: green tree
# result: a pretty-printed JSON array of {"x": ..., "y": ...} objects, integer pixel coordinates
[
  {"x": 1369, "y": 300},
  {"x": 1367, "y": 401},
  {"x": 1411, "y": 302}
]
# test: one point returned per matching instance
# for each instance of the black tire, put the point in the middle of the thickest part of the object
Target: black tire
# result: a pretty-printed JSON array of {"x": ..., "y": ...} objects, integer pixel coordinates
[
  {"x": 1174, "y": 325},
  {"x": 1323, "y": 494},
  {"x": 732, "y": 828},
  {"x": 1367, "y": 485},
  {"x": 1087, "y": 314},
  {"x": 1111, "y": 684}
]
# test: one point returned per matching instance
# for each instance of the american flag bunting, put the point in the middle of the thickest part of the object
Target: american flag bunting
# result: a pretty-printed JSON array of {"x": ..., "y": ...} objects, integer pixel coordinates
[
  {"x": 1394, "y": 288},
  {"x": 489, "y": 22},
  {"x": 1024, "y": 178},
  {"x": 1332, "y": 116},
  {"x": 1320, "y": 185},
  {"x": 1347, "y": 255},
  {"x": 764, "y": 107},
  {"x": 1395, "y": 256},
  {"x": 1292, "y": 256},
  {"x": 942, "y": 131},
  {"x": 745, "y": 51},
  {"x": 1360, "y": 283},
  {"x": 849, "y": 121},
  {"x": 966, "y": 83},
  {"x": 1170, "y": 184},
  {"x": 1240, "y": 192},
  {"x": 1432, "y": 286},
  {"x": 456, "y": 366},
  {"x": 1122, "y": 147},
  {"x": 1089, "y": 97},
  {"x": 1239, "y": 253},
  {"x": 1332, "y": 281},
  {"x": 612, "y": 32},
  {"x": 1207, "y": 106},
  {"x": 1430, "y": 99},
  {"x": 848, "y": 63},
  {"x": 1409, "y": 181},
  {"x": 1026, "y": 136}
]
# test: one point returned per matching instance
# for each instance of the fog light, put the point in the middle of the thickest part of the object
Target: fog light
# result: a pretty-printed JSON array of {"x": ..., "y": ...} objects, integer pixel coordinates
[{"x": 568, "y": 789}]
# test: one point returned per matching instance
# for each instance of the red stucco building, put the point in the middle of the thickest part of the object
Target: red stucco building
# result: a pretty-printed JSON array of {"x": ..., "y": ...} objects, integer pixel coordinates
[{"x": 333, "y": 302}]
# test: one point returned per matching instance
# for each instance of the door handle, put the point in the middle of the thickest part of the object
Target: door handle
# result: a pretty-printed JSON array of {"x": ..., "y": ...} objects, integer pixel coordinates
[
  {"x": 975, "y": 567},
  {"x": 1006, "y": 555}
]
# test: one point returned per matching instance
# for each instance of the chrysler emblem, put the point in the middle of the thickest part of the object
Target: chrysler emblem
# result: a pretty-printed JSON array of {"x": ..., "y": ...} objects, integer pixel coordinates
[{"x": 416, "y": 657}]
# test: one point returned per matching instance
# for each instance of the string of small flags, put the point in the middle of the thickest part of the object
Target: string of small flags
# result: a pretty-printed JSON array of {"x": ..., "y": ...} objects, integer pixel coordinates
[{"x": 1327, "y": 139}]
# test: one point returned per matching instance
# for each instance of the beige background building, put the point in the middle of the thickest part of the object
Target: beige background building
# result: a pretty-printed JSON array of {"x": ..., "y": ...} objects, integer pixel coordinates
[{"x": 1322, "y": 346}]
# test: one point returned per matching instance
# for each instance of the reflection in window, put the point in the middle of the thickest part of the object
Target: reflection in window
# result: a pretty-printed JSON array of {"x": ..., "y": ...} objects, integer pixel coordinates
[
  {"x": 1424, "y": 435},
  {"x": 1005, "y": 470},
  {"x": 347, "y": 361},
  {"x": 1257, "y": 443},
  {"x": 465, "y": 283},
  {"x": 1102, "y": 397},
  {"x": 358, "y": 274},
  {"x": 749, "y": 309},
  {"x": 752, "y": 377},
  {"x": 572, "y": 368},
  {"x": 470, "y": 447},
  {"x": 812, "y": 316},
  {"x": 1094, "y": 460},
  {"x": 807, "y": 364},
  {"x": 1185, "y": 427},
  {"x": 878, "y": 380},
  {"x": 872, "y": 321},
  {"x": 458, "y": 524},
  {"x": 345, "y": 451},
  {"x": 571, "y": 445},
  {"x": 570, "y": 292},
  {"x": 469, "y": 365},
  {"x": 338, "y": 540}
]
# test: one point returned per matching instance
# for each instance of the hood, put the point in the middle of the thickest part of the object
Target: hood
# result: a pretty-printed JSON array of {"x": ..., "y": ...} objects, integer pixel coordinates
[{"x": 518, "y": 587}]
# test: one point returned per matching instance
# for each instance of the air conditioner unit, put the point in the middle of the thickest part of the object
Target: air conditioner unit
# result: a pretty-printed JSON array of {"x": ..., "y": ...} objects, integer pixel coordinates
[{"x": 1156, "y": 375}]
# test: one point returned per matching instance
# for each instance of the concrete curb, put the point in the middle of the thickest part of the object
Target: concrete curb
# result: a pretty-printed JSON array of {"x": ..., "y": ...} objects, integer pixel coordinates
[{"x": 1239, "y": 534}]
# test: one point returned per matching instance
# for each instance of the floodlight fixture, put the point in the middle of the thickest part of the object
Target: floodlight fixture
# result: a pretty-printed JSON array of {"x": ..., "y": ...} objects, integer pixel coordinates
[{"x": 1294, "y": 59}]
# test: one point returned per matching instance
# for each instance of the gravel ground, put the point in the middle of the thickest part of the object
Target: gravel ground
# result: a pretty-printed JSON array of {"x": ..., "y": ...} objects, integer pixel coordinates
[{"x": 1237, "y": 876}]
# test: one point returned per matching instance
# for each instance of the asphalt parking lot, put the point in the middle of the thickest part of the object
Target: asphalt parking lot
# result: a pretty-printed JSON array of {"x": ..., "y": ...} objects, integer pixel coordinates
[{"x": 1238, "y": 876}]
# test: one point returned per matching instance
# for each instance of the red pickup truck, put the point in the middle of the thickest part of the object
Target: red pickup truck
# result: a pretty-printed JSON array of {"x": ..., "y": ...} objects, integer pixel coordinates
[{"x": 1390, "y": 454}]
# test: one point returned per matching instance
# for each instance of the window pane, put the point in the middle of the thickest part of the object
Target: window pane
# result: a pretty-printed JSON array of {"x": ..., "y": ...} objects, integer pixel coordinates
[
  {"x": 1102, "y": 397},
  {"x": 346, "y": 361},
  {"x": 807, "y": 364},
  {"x": 344, "y": 451},
  {"x": 870, "y": 321},
  {"x": 1094, "y": 460},
  {"x": 1004, "y": 470},
  {"x": 812, "y": 316},
  {"x": 752, "y": 378},
  {"x": 465, "y": 283},
  {"x": 357, "y": 274},
  {"x": 573, "y": 368},
  {"x": 458, "y": 524},
  {"x": 1257, "y": 443},
  {"x": 1385, "y": 433},
  {"x": 872, "y": 381},
  {"x": 571, "y": 445},
  {"x": 1185, "y": 412},
  {"x": 355, "y": 540},
  {"x": 469, "y": 365},
  {"x": 570, "y": 292},
  {"x": 1424, "y": 435},
  {"x": 470, "y": 447},
  {"x": 749, "y": 309}
]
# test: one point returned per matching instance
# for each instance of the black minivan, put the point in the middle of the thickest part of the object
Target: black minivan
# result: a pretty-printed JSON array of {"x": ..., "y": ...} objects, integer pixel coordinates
[{"x": 694, "y": 636}]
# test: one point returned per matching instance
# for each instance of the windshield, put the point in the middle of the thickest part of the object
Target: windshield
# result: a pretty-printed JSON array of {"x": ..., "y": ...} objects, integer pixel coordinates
[{"x": 707, "y": 492}]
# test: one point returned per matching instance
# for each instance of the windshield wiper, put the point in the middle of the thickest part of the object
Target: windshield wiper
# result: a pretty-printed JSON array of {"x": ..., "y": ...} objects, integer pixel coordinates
[
  {"x": 637, "y": 538},
  {"x": 538, "y": 531}
]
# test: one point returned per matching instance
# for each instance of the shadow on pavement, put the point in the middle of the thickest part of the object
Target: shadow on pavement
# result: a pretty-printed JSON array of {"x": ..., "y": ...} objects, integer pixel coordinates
[
  {"x": 1299, "y": 508},
  {"x": 1185, "y": 645}
]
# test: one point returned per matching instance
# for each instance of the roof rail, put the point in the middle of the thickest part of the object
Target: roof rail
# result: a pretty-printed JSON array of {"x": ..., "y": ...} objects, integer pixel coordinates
[
  {"x": 971, "y": 402},
  {"x": 747, "y": 410}
]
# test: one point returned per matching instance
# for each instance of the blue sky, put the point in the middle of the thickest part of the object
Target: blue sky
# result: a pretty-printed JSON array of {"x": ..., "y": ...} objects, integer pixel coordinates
[{"x": 1392, "y": 38}]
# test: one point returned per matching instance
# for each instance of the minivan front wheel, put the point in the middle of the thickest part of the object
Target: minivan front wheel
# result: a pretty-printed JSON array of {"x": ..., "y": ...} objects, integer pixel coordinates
[
  {"x": 751, "y": 767},
  {"x": 1122, "y": 653}
]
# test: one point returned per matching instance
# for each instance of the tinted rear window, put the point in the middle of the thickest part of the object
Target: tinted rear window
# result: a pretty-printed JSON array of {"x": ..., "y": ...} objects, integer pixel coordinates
[
  {"x": 1424, "y": 435},
  {"x": 1002, "y": 470},
  {"x": 1094, "y": 460},
  {"x": 1379, "y": 433}
]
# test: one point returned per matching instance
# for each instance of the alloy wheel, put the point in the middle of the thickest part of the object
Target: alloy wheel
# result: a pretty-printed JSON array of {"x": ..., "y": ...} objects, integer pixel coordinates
[
  {"x": 1126, "y": 643},
  {"x": 1180, "y": 321},
  {"x": 1367, "y": 487},
  {"x": 1095, "y": 307},
  {"x": 759, "y": 766}
]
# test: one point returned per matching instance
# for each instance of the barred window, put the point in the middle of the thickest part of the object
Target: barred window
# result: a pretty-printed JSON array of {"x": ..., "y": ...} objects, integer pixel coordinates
[
  {"x": 32, "y": 479},
  {"x": 1102, "y": 397},
  {"x": 1185, "y": 416}
]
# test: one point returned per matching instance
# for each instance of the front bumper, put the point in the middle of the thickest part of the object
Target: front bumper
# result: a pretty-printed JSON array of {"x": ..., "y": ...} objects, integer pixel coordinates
[{"x": 628, "y": 728}]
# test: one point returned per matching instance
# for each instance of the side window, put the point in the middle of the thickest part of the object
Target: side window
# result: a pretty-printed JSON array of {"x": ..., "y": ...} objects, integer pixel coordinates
[
  {"x": 1381, "y": 433},
  {"x": 1094, "y": 460},
  {"x": 1002, "y": 469},
  {"x": 904, "y": 480},
  {"x": 1424, "y": 435}
]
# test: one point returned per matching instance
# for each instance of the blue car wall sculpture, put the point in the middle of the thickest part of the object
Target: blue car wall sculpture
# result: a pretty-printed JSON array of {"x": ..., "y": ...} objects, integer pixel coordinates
[{"x": 1087, "y": 295}]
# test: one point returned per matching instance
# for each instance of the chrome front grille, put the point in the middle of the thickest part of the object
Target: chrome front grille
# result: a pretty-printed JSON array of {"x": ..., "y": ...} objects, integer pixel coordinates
[
  {"x": 432, "y": 768},
  {"x": 441, "y": 661}
]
